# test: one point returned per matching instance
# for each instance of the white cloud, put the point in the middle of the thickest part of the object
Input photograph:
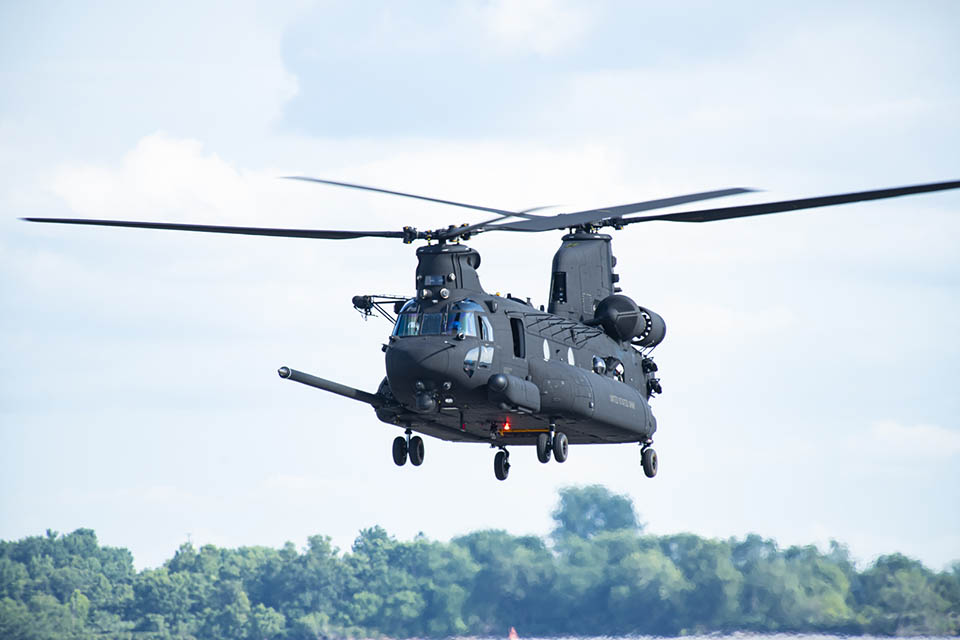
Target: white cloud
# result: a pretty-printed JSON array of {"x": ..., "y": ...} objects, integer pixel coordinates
[
  {"x": 925, "y": 440},
  {"x": 160, "y": 176},
  {"x": 542, "y": 26}
]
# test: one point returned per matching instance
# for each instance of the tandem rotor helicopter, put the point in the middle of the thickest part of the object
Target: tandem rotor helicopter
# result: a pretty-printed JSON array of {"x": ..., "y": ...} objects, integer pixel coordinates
[{"x": 467, "y": 366}]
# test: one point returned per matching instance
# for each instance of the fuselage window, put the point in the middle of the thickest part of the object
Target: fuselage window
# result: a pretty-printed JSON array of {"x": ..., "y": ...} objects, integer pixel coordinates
[
  {"x": 516, "y": 328},
  {"x": 570, "y": 359},
  {"x": 615, "y": 368},
  {"x": 546, "y": 350},
  {"x": 599, "y": 366}
]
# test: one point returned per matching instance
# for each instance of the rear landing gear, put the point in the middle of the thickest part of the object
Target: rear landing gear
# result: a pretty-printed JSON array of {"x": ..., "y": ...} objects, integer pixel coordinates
[
  {"x": 404, "y": 446},
  {"x": 501, "y": 464},
  {"x": 648, "y": 457}
]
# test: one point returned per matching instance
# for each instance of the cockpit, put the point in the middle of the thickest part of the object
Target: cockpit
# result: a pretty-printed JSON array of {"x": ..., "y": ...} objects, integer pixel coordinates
[{"x": 464, "y": 318}]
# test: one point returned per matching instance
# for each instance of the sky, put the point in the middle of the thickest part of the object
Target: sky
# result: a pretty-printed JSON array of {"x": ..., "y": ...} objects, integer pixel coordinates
[{"x": 811, "y": 361}]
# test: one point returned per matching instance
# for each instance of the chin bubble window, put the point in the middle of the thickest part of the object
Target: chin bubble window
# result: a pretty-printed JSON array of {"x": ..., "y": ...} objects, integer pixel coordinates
[{"x": 470, "y": 361}]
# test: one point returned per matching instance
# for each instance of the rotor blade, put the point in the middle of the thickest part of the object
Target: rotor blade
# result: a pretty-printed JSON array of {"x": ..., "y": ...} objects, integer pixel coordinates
[
  {"x": 501, "y": 212},
  {"x": 246, "y": 231},
  {"x": 725, "y": 213},
  {"x": 480, "y": 227},
  {"x": 546, "y": 223}
]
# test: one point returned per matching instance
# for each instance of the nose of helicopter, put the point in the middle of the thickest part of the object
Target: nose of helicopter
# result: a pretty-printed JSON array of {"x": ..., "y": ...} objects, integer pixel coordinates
[{"x": 413, "y": 362}]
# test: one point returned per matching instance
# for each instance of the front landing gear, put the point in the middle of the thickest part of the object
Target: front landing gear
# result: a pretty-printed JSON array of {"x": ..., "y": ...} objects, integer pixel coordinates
[
  {"x": 501, "y": 464},
  {"x": 415, "y": 449},
  {"x": 648, "y": 457},
  {"x": 408, "y": 446},
  {"x": 400, "y": 451},
  {"x": 560, "y": 444},
  {"x": 544, "y": 447}
]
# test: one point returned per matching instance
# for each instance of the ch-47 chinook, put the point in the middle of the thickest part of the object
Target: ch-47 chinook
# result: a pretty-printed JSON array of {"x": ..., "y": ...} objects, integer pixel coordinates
[{"x": 468, "y": 366}]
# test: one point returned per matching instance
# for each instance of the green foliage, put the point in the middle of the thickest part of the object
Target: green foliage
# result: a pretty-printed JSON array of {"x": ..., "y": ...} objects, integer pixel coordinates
[
  {"x": 906, "y": 598},
  {"x": 598, "y": 574},
  {"x": 584, "y": 512},
  {"x": 511, "y": 580}
]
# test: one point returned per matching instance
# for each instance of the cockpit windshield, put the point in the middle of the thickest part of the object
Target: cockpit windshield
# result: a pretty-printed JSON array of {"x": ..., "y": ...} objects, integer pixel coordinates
[
  {"x": 408, "y": 321},
  {"x": 460, "y": 318},
  {"x": 463, "y": 322},
  {"x": 432, "y": 324}
]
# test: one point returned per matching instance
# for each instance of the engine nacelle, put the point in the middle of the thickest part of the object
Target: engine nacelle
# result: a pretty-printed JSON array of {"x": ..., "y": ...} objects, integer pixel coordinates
[
  {"x": 623, "y": 319},
  {"x": 655, "y": 331}
]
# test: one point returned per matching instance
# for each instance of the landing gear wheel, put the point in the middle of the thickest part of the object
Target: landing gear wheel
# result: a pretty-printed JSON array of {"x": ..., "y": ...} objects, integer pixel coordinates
[
  {"x": 649, "y": 459},
  {"x": 501, "y": 465},
  {"x": 400, "y": 450},
  {"x": 543, "y": 448},
  {"x": 415, "y": 448},
  {"x": 560, "y": 444}
]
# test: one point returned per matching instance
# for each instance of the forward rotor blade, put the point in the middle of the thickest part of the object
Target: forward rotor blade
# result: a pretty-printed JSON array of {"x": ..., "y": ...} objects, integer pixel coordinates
[
  {"x": 246, "y": 231},
  {"x": 725, "y": 213},
  {"x": 546, "y": 223},
  {"x": 501, "y": 212}
]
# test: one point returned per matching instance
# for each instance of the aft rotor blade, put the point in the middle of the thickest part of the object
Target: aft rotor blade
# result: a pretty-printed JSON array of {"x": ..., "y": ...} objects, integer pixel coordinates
[
  {"x": 546, "y": 223},
  {"x": 245, "y": 231},
  {"x": 725, "y": 213},
  {"x": 501, "y": 212}
]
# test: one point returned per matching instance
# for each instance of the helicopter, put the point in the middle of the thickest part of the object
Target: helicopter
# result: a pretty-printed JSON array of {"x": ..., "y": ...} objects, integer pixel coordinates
[{"x": 465, "y": 365}]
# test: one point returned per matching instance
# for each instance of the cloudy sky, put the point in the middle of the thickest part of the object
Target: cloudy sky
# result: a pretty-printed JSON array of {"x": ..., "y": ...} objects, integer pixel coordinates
[{"x": 812, "y": 362}]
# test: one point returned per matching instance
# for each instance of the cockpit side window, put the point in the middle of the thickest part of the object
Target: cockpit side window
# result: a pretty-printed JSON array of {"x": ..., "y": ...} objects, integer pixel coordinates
[{"x": 486, "y": 329}]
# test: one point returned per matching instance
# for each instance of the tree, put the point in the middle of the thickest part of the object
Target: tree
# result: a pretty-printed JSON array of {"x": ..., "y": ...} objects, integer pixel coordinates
[
  {"x": 600, "y": 576},
  {"x": 713, "y": 601},
  {"x": 584, "y": 512},
  {"x": 903, "y": 597},
  {"x": 512, "y": 583}
]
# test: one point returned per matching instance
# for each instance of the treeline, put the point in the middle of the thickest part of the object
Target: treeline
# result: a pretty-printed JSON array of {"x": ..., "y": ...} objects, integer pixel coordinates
[{"x": 597, "y": 574}]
